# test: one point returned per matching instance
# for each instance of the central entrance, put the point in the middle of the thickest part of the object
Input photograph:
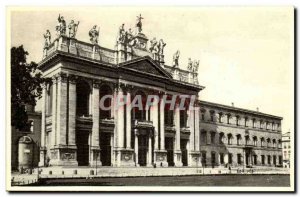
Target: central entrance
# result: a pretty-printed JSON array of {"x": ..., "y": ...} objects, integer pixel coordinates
[
  {"x": 82, "y": 142},
  {"x": 105, "y": 147},
  {"x": 183, "y": 147},
  {"x": 142, "y": 150},
  {"x": 170, "y": 150}
]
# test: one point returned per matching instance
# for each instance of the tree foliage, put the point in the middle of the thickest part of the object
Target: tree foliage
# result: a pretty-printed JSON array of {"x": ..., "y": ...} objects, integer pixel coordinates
[{"x": 26, "y": 86}]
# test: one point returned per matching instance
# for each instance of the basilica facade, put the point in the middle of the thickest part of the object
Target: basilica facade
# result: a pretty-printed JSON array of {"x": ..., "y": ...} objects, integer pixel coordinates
[{"x": 77, "y": 131}]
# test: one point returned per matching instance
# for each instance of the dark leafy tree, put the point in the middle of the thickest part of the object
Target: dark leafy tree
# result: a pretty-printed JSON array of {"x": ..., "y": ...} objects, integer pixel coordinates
[{"x": 26, "y": 87}]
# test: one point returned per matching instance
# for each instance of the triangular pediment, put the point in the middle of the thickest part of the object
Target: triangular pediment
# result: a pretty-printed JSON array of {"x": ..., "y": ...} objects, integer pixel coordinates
[{"x": 146, "y": 65}]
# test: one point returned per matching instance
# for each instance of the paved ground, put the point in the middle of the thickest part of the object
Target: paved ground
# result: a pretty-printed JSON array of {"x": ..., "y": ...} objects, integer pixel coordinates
[{"x": 208, "y": 180}]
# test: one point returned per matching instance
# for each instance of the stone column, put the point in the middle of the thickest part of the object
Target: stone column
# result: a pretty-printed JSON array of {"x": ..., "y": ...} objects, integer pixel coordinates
[
  {"x": 154, "y": 119},
  {"x": 53, "y": 121},
  {"x": 162, "y": 124},
  {"x": 160, "y": 156},
  {"x": 136, "y": 148},
  {"x": 197, "y": 128},
  {"x": 43, "y": 129},
  {"x": 128, "y": 121},
  {"x": 72, "y": 110},
  {"x": 61, "y": 109},
  {"x": 244, "y": 158},
  {"x": 177, "y": 151},
  {"x": 149, "y": 163},
  {"x": 95, "y": 144},
  {"x": 120, "y": 120},
  {"x": 191, "y": 114},
  {"x": 119, "y": 125}
]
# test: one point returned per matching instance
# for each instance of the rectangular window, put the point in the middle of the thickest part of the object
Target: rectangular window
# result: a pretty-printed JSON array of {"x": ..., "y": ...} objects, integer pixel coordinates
[
  {"x": 221, "y": 158},
  {"x": 238, "y": 140},
  {"x": 274, "y": 159},
  {"x": 213, "y": 158},
  {"x": 255, "y": 159},
  {"x": 203, "y": 138},
  {"x": 269, "y": 159},
  {"x": 203, "y": 158},
  {"x": 239, "y": 159},
  {"x": 202, "y": 116},
  {"x": 262, "y": 160},
  {"x": 230, "y": 158},
  {"x": 212, "y": 137},
  {"x": 280, "y": 160}
]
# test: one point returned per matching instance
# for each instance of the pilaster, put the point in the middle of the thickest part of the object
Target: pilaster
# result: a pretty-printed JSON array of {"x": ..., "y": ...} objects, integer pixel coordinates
[
  {"x": 43, "y": 129},
  {"x": 95, "y": 146}
]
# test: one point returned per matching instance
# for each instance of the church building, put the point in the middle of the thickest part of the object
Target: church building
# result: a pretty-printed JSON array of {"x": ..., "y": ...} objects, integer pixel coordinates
[{"x": 82, "y": 124}]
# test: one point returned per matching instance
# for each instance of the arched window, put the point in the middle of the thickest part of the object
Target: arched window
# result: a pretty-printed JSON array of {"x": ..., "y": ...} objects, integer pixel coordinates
[
  {"x": 228, "y": 118},
  {"x": 247, "y": 139},
  {"x": 83, "y": 92},
  {"x": 253, "y": 123},
  {"x": 230, "y": 138},
  {"x": 221, "y": 138},
  {"x": 268, "y": 142},
  {"x": 279, "y": 144},
  {"x": 212, "y": 137},
  {"x": 246, "y": 121},
  {"x": 212, "y": 115},
  {"x": 237, "y": 120},
  {"x": 220, "y": 117},
  {"x": 262, "y": 142},
  {"x": 203, "y": 137},
  {"x": 274, "y": 143},
  {"x": 238, "y": 139},
  {"x": 254, "y": 141}
]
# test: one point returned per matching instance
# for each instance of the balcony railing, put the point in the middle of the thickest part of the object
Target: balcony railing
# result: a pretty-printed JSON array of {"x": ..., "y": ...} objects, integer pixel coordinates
[
  {"x": 142, "y": 123},
  {"x": 81, "y": 49}
]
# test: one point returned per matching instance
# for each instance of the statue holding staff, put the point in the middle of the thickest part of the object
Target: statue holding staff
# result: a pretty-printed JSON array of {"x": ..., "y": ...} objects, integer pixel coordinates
[
  {"x": 176, "y": 58},
  {"x": 139, "y": 23},
  {"x": 47, "y": 37},
  {"x": 73, "y": 28},
  {"x": 94, "y": 34},
  {"x": 161, "y": 46},
  {"x": 61, "y": 26}
]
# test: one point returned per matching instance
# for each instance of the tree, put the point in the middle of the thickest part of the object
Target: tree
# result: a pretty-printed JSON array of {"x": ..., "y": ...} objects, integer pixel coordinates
[{"x": 26, "y": 87}]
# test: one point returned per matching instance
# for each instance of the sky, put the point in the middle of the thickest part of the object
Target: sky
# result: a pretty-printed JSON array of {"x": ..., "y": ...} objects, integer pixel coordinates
[{"x": 246, "y": 53}]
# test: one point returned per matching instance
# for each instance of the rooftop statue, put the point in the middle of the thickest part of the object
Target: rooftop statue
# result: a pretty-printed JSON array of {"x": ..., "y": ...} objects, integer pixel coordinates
[
  {"x": 161, "y": 46},
  {"x": 154, "y": 48},
  {"x": 122, "y": 34},
  {"x": 94, "y": 34},
  {"x": 176, "y": 58},
  {"x": 61, "y": 26},
  {"x": 73, "y": 28},
  {"x": 190, "y": 65},
  {"x": 196, "y": 66},
  {"x": 139, "y": 23},
  {"x": 47, "y": 37},
  {"x": 129, "y": 38}
]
